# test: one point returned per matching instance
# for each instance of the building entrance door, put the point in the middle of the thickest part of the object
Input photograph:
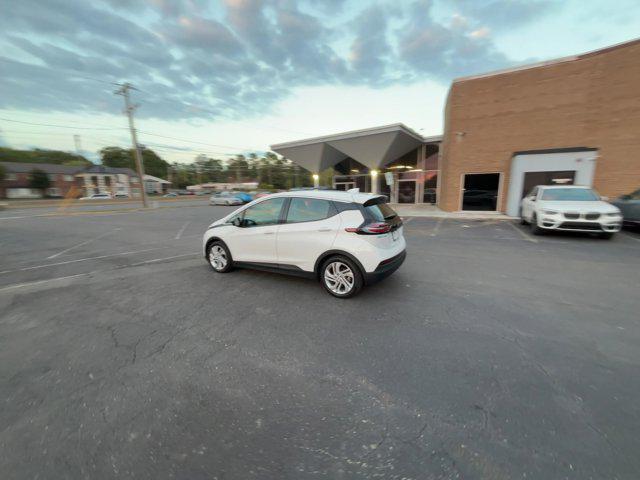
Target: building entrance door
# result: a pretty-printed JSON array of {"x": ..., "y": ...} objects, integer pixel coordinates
[
  {"x": 407, "y": 190},
  {"x": 480, "y": 191}
]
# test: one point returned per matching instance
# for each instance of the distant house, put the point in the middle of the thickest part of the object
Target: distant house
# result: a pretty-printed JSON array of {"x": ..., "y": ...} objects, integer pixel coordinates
[
  {"x": 17, "y": 180},
  {"x": 66, "y": 180},
  {"x": 155, "y": 185},
  {"x": 114, "y": 180}
]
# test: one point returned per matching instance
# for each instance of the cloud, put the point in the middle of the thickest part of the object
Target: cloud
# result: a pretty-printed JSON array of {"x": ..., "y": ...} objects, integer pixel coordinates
[
  {"x": 505, "y": 14},
  {"x": 193, "y": 59}
]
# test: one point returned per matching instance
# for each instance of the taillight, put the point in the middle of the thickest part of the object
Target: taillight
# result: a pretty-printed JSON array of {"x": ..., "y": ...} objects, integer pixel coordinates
[{"x": 371, "y": 229}]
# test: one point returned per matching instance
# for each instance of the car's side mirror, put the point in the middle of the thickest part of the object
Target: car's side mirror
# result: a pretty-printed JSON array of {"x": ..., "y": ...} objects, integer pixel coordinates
[{"x": 238, "y": 222}]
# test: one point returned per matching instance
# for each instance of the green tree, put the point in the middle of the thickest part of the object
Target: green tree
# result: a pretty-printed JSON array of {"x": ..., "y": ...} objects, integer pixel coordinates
[
  {"x": 42, "y": 156},
  {"x": 3, "y": 173},
  {"x": 125, "y": 158},
  {"x": 39, "y": 180}
]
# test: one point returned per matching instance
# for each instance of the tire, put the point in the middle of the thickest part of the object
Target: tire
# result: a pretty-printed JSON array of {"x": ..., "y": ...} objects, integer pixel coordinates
[
  {"x": 349, "y": 281},
  {"x": 223, "y": 262},
  {"x": 535, "y": 229},
  {"x": 522, "y": 219},
  {"x": 606, "y": 235}
]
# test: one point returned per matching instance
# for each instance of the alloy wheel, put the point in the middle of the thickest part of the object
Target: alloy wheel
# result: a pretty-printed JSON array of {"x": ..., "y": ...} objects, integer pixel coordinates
[
  {"x": 339, "y": 278},
  {"x": 218, "y": 257}
]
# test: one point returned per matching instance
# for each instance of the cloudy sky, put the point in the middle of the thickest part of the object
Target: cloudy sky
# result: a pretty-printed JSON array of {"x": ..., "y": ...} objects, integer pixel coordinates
[{"x": 230, "y": 76}]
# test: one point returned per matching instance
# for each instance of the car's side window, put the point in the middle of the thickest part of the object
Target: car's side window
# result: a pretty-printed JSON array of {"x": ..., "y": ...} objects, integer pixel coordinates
[
  {"x": 263, "y": 213},
  {"x": 309, "y": 210}
]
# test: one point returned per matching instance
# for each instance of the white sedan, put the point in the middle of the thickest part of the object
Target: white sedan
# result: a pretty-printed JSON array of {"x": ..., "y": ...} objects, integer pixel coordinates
[
  {"x": 569, "y": 208},
  {"x": 225, "y": 198},
  {"x": 98, "y": 196}
]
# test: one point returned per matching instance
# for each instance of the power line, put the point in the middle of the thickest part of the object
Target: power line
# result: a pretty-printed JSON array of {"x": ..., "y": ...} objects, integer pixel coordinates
[
  {"x": 199, "y": 143},
  {"x": 60, "y": 126}
]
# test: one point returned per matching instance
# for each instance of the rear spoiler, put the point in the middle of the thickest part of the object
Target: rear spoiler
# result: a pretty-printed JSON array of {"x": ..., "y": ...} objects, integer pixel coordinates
[{"x": 378, "y": 199}]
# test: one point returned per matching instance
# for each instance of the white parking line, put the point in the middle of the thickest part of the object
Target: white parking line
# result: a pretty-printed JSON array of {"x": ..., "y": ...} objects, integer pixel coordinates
[
  {"x": 629, "y": 236},
  {"x": 435, "y": 230},
  {"x": 35, "y": 267},
  {"x": 39, "y": 282},
  {"x": 30, "y": 284},
  {"x": 526, "y": 236},
  {"x": 179, "y": 234},
  {"x": 83, "y": 243},
  {"x": 154, "y": 260}
]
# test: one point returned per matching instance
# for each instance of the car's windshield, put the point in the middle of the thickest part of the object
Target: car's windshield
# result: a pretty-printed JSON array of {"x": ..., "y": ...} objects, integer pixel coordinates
[{"x": 569, "y": 194}]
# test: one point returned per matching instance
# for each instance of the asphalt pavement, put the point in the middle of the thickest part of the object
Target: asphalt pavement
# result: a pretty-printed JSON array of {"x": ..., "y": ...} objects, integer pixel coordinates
[{"x": 489, "y": 354}]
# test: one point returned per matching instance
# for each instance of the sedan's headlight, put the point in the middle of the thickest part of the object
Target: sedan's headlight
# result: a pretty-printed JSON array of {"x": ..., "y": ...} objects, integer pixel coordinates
[
  {"x": 614, "y": 214},
  {"x": 550, "y": 212}
]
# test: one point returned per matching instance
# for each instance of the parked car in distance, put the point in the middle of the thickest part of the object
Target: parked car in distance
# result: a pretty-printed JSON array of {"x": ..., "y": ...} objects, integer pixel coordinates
[
  {"x": 170, "y": 195},
  {"x": 261, "y": 195},
  {"x": 97, "y": 196},
  {"x": 343, "y": 239},
  {"x": 225, "y": 198},
  {"x": 245, "y": 197},
  {"x": 121, "y": 195},
  {"x": 569, "y": 208},
  {"x": 185, "y": 192},
  {"x": 629, "y": 205}
]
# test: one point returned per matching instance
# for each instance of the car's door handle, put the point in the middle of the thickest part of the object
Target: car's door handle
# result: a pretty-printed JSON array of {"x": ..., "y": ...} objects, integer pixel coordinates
[
  {"x": 268, "y": 233},
  {"x": 324, "y": 229}
]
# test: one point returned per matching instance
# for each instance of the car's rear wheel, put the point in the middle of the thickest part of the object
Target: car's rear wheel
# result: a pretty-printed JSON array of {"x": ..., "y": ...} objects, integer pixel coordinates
[
  {"x": 219, "y": 257},
  {"x": 341, "y": 277},
  {"x": 535, "y": 229}
]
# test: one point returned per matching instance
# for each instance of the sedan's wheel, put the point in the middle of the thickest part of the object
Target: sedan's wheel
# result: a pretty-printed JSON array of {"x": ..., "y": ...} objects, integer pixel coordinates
[
  {"x": 219, "y": 257},
  {"x": 535, "y": 229},
  {"x": 341, "y": 278}
]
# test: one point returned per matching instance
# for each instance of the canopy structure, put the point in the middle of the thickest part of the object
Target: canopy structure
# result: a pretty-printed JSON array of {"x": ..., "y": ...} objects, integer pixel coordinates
[{"x": 372, "y": 147}]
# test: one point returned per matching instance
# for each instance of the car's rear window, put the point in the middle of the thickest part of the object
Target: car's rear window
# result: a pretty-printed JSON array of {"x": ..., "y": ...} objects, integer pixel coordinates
[{"x": 381, "y": 212}]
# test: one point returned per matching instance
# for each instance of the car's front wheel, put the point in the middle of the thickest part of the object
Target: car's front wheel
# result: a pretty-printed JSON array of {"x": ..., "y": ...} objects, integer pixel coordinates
[
  {"x": 219, "y": 257},
  {"x": 341, "y": 277},
  {"x": 535, "y": 229}
]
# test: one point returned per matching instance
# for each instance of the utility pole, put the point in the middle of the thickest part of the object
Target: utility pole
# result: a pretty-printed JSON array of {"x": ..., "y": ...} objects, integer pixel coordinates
[
  {"x": 76, "y": 140},
  {"x": 128, "y": 110}
]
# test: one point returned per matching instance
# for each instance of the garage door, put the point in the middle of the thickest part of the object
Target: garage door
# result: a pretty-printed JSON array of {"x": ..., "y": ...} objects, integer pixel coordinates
[{"x": 551, "y": 165}]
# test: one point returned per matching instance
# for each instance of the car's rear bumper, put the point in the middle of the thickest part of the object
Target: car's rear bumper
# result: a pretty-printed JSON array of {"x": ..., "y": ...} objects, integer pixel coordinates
[{"x": 385, "y": 268}]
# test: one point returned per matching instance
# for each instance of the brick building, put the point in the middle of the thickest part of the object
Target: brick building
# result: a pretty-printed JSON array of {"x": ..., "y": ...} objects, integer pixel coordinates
[
  {"x": 68, "y": 180},
  {"x": 571, "y": 120}
]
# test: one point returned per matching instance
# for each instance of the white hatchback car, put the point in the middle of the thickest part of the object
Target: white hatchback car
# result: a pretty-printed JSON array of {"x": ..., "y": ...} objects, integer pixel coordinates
[
  {"x": 569, "y": 207},
  {"x": 344, "y": 239}
]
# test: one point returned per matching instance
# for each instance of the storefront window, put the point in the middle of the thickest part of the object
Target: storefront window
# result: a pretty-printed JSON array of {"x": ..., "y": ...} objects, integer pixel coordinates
[{"x": 430, "y": 186}]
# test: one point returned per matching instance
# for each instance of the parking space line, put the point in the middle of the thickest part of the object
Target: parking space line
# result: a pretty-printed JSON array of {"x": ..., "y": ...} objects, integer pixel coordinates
[
  {"x": 154, "y": 260},
  {"x": 83, "y": 243},
  {"x": 629, "y": 236},
  {"x": 526, "y": 236},
  {"x": 435, "y": 230},
  {"x": 181, "y": 231},
  {"x": 38, "y": 282},
  {"x": 99, "y": 257}
]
